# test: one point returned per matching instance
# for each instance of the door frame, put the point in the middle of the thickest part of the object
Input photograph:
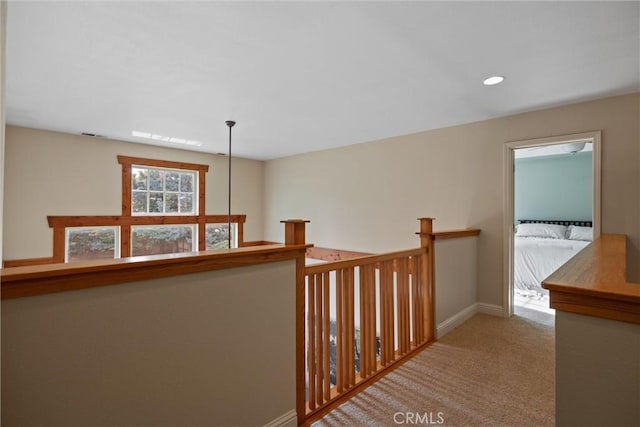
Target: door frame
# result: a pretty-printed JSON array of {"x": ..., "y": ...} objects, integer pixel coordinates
[{"x": 595, "y": 137}]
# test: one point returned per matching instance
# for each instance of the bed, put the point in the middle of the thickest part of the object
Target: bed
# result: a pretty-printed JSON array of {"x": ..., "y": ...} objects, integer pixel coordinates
[{"x": 541, "y": 247}]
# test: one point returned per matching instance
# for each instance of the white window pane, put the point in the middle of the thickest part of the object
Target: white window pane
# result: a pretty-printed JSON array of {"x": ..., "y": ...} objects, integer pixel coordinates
[
  {"x": 172, "y": 181},
  {"x": 186, "y": 182},
  {"x": 171, "y": 202},
  {"x": 139, "y": 178},
  {"x": 156, "y": 180},
  {"x": 155, "y": 202},
  {"x": 186, "y": 203},
  {"x": 139, "y": 202}
]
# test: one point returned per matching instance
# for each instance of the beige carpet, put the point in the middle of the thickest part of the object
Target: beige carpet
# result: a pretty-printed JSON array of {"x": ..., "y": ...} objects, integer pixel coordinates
[{"x": 490, "y": 371}]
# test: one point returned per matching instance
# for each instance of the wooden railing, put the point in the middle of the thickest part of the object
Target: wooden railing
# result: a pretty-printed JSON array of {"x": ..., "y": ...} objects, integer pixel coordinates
[
  {"x": 594, "y": 282},
  {"x": 597, "y": 325},
  {"x": 362, "y": 317},
  {"x": 33, "y": 280}
]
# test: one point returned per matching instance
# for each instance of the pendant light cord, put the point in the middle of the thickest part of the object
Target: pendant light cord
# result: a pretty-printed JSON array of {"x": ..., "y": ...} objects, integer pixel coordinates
[{"x": 230, "y": 123}]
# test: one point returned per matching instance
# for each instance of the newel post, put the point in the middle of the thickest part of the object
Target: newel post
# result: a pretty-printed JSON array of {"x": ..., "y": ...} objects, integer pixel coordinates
[
  {"x": 294, "y": 234},
  {"x": 294, "y": 230},
  {"x": 429, "y": 274}
]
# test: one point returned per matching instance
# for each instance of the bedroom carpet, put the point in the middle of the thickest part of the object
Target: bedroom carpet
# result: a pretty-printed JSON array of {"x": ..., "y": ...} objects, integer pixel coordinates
[{"x": 489, "y": 371}]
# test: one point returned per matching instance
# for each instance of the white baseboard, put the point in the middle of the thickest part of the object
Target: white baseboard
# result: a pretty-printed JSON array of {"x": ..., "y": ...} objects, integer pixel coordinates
[
  {"x": 288, "y": 419},
  {"x": 465, "y": 314},
  {"x": 456, "y": 320},
  {"x": 492, "y": 309}
]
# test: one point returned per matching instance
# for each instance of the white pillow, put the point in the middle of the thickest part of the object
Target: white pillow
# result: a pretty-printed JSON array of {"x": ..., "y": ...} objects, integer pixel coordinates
[
  {"x": 550, "y": 231},
  {"x": 575, "y": 232}
]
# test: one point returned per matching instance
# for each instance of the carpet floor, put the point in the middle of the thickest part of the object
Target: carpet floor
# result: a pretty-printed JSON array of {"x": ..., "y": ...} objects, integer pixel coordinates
[{"x": 489, "y": 371}]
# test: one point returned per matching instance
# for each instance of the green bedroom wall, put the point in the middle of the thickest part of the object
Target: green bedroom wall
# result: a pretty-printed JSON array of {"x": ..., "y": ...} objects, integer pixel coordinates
[{"x": 554, "y": 187}]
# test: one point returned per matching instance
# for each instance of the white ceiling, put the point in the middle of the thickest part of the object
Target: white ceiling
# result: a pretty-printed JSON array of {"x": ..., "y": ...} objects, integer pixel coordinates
[{"x": 304, "y": 76}]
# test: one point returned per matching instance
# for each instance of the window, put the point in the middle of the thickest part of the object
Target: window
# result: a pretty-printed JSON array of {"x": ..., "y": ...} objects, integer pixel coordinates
[
  {"x": 218, "y": 237},
  {"x": 162, "y": 191},
  {"x": 163, "y": 211},
  {"x": 90, "y": 243},
  {"x": 163, "y": 239}
]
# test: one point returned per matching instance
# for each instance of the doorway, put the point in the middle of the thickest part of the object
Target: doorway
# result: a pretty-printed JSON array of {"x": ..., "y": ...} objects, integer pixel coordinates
[{"x": 551, "y": 231}]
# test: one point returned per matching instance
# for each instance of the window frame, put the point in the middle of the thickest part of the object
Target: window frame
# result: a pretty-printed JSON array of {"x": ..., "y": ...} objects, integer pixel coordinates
[
  {"x": 59, "y": 224},
  {"x": 127, "y": 191},
  {"x": 127, "y": 185},
  {"x": 165, "y": 192}
]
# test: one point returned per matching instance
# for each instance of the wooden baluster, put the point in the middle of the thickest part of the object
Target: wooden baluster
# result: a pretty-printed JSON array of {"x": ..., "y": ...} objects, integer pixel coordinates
[
  {"x": 383, "y": 311},
  {"x": 372, "y": 305},
  {"x": 351, "y": 327},
  {"x": 373, "y": 318},
  {"x": 311, "y": 361},
  {"x": 392, "y": 310},
  {"x": 346, "y": 349},
  {"x": 420, "y": 302},
  {"x": 367, "y": 306},
  {"x": 319, "y": 338},
  {"x": 417, "y": 306},
  {"x": 407, "y": 305},
  {"x": 403, "y": 306},
  {"x": 386, "y": 287},
  {"x": 327, "y": 329},
  {"x": 364, "y": 327},
  {"x": 339, "y": 333},
  {"x": 400, "y": 306}
]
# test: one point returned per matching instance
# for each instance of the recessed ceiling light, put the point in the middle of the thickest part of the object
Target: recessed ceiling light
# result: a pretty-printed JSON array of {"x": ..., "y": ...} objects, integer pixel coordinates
[{"x": 493, "y": 80}]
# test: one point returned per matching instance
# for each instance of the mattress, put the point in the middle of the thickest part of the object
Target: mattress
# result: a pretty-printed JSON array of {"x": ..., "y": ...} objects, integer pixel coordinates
[{"x": 536, "y": 258}]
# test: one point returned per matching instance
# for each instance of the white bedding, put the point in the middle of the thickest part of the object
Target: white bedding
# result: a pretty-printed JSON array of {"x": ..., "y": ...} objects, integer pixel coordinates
[{"x": 536, "y": 258}]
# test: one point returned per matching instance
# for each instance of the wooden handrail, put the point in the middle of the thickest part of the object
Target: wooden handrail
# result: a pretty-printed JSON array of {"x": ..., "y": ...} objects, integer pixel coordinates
[
  {"x": 455, "y": 234},
  {"x": 364, "y": 260},
  {"x": 594, "y": 282},
  {"x": 44, "y": 279},
  {"x": 26, "y": 261},
  {"x": 35, "y": 280},
  {"x": 329, "y": 254}
]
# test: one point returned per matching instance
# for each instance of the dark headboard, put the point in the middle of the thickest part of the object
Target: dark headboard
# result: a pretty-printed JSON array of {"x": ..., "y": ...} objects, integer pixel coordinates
[{"x": 558, "y": 222}]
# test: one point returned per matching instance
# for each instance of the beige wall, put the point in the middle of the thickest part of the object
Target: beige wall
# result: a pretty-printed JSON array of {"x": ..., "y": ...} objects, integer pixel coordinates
[
  {"x": 456, "y": 288},
  {"x": 586, "y": 345},
  {"x": 51, "y": 173},
  {"x": 208, "y": 349},
  {"x": 366, "y": 197}
]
